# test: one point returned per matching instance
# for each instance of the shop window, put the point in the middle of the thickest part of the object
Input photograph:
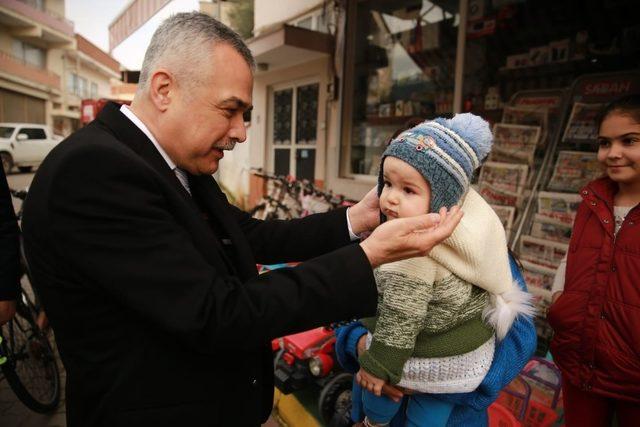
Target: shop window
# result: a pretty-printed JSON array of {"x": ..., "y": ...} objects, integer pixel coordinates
[
  {"x": 294, "y": 124},
  {"x": 399, "y": 65},
  {"x": 544, "y": 44}
]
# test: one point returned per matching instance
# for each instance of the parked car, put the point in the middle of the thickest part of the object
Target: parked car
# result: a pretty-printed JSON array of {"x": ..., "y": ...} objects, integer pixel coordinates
[{"x": 25, "y": 145}]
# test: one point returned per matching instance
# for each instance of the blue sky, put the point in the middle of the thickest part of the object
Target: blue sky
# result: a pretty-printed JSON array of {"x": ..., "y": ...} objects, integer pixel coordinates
[{"x": 92, "y": 19}]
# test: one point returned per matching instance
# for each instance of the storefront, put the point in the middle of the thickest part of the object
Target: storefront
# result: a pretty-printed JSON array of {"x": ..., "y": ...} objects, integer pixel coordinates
[
  {"x": 412, "y": 58},
  {"x": 538, "y": 71}
]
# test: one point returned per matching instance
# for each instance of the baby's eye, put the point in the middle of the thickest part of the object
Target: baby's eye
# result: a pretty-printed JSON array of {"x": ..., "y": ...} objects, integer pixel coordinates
[
  {"x": 387, "y": 183},
  {"x": 408, "y": 190}
]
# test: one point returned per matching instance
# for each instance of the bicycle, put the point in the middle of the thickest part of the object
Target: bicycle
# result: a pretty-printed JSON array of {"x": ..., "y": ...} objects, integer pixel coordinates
[
  {"x": 27, "y": 358},
  {"x": 288, "y": 198},
  {"x": 278, "y": 202}
]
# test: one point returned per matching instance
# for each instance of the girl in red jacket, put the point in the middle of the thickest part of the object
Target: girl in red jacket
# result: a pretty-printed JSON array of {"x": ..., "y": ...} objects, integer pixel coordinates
[{"x": 596, "y": 310}]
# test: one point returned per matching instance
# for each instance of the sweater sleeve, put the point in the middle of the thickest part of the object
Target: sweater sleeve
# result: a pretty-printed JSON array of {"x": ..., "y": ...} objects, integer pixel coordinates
[{"x": 407, "y": 289}]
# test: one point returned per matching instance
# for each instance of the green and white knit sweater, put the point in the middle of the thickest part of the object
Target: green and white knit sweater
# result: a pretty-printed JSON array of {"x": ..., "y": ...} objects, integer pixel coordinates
[
  {"x": 425, "y": 312},
  {"x": 430, "y": 309}
]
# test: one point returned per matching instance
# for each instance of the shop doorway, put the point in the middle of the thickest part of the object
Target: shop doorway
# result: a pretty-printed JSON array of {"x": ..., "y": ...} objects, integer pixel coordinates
[{"x": 293, "y": 129}]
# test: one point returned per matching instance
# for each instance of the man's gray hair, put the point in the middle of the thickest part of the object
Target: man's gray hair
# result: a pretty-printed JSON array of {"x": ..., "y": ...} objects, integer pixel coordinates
[{"x": 182, "y": 44}]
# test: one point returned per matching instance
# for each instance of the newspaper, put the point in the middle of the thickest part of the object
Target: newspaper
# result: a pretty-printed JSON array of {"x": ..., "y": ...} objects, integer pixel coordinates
[
  {"x": 560, "y": 206},
  {"x": 544, "y": 227},
  {"x": 541, "y": 301},
  {"x": 506, "y": 215},
  {"x": 504, "y": 176},
  {"x": 538, "y": 276},
  {"x": 543, "y": 252},
  {"x": 515, "y": 143},
  {"x": 530, "y": 117},
  {"x": 573, "y": 170},
  {"x": 582, "y": 123},
  {"x": 496, "y": 196}
]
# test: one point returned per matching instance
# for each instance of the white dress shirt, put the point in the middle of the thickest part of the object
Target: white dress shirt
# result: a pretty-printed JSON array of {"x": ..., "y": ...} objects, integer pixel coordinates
[{"x": 180, "y": 174}]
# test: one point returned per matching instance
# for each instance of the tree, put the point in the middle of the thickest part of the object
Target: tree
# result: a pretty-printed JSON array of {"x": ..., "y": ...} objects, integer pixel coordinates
[{"x": 241, "y": 17}]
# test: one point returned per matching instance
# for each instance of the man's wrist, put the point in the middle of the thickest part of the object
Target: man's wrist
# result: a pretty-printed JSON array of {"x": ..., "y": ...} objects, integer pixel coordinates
[
  {"x": 353, "y": 235},
  {"x": 370, "y": 253}
]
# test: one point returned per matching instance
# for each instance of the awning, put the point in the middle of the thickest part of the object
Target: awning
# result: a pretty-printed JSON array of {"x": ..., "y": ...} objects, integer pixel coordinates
[{"x": 285, "y": 46}]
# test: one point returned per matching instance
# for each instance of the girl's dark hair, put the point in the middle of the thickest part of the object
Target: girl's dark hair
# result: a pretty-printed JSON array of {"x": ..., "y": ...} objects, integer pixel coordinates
[{"x": 628, "y": 105}]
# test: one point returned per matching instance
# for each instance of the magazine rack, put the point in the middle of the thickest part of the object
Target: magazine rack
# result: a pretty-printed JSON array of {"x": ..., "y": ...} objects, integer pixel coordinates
[{"x": 544, "y": 227}]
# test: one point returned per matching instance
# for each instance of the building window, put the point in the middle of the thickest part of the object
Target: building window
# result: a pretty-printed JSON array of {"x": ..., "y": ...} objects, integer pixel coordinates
[
  {"x": 29, "y": 54},
  {"x": 294, "y": 124},
  {"x": 399, "y": 65},
  {"x": 82, "y": 88},
  {"x": 71, "y": 82},
  {"x": 94, "y": 90}
]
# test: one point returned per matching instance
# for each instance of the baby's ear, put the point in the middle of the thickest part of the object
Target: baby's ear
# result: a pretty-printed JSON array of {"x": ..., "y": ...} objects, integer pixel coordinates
[{"x": 474, "y": 130}]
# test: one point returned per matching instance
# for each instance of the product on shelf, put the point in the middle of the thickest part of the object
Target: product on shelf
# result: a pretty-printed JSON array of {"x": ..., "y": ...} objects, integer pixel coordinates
[
  {"x": 506, "y": 215},
  {"x": 573, "y": 170},
  {"x": 560, "y": 206},
  {"x": 530, "y": 117},
  {"x": 582, "y": 123},
  {"x": 517, "y": 142},
  {"x": 544, "y": 227},
  {"x": 543, "y": 252},
  {"x": 504, "y": 176}
]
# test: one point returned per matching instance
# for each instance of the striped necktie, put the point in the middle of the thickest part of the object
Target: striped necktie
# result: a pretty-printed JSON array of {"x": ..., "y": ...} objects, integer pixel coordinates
[{"x": 182, "y": 177}]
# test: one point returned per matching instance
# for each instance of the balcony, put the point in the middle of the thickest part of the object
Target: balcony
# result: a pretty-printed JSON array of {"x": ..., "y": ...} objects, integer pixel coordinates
[
  {"x": 26, "y": 21},
  {"x": 28, "y": 74}
]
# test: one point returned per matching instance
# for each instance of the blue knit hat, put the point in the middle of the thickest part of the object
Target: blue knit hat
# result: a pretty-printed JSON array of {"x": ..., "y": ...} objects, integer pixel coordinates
[{"x": 446, "y": 152}]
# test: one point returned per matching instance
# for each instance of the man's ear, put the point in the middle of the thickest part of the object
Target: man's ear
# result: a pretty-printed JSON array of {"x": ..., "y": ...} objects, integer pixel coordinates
[{"x": 161, "y": 88}]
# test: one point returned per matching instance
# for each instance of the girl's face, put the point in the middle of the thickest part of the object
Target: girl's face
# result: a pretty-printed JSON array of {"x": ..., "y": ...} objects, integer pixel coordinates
[
  {"x": 406, "y": 193},
  {"x": 619, "y": 148}
]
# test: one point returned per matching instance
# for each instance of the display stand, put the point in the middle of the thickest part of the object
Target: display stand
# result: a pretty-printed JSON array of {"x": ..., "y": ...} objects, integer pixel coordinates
[{"x": 544, "y": 230}]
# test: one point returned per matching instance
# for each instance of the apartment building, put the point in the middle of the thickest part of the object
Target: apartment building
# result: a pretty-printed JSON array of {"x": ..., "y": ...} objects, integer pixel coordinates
[
  {"x": 32, "y": 35},
  {"x": 45, "y": 68}
]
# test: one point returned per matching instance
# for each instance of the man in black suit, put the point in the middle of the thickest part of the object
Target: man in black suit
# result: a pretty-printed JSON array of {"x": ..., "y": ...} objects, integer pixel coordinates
[
  {"x": 9, "y": 261},
  {"x": 148, "y": 273}
]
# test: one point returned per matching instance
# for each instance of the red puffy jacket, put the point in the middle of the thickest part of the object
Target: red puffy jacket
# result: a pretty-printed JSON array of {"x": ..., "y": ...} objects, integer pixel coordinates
[{"x": 597, "y": 318}]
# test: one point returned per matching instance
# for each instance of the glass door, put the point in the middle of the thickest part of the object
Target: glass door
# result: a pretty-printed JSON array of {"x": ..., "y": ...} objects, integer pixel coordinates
[{"x": 294, "y": 129}]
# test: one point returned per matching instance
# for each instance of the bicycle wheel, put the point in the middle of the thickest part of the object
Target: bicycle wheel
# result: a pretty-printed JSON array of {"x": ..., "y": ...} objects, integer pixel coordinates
[
  {"x": 30, "y": 369},
  {"x": 260, "y": 211}
]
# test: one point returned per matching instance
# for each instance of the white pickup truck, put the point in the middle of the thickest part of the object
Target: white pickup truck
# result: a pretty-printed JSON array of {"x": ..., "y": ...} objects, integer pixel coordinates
[{"x": 25, "y": 145}]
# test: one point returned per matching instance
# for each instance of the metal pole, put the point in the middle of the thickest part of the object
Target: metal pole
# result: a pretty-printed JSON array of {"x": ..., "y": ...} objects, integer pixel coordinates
[{"x": 460, "y": 54}]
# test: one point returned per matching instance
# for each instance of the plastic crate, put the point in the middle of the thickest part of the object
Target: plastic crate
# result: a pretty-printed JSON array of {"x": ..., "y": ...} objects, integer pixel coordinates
[{"x": 499, "y": 416}]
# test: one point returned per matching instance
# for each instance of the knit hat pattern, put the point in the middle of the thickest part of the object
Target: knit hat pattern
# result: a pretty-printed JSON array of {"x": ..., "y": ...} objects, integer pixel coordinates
[{"x": 446, "y": 152}]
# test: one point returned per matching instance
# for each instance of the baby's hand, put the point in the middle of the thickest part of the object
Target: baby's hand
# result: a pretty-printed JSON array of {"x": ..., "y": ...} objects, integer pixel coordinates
[{"x": 369, "y": 382}]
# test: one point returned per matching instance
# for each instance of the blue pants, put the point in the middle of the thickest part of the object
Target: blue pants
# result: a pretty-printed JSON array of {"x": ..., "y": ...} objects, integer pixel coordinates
[{"x": 422, "y": 410}]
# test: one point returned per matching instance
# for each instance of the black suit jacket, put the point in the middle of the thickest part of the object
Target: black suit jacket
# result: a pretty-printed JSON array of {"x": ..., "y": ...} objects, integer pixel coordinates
[
  {"x": 157, "y": 324},
  {"x": 9, "y": 264}
]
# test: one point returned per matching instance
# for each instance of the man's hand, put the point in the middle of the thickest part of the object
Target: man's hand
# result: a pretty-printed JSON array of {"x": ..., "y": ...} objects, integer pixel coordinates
[
  {"x": 7, "y": 311},
  {"x": 365, "y": 215},
  {"x": 392, "y": 392},
  {"x": 404, "y": 238}
]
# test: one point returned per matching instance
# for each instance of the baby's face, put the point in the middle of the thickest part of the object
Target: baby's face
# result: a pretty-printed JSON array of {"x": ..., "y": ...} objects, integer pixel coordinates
[{"x": 406, "y": 193}]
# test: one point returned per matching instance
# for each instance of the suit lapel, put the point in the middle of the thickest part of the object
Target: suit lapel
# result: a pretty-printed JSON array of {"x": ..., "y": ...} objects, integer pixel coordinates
[
  {"x": 127, "y": 133},
  {"x": 130, "y": 135},
  {"x": 206, "y": 189}
]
